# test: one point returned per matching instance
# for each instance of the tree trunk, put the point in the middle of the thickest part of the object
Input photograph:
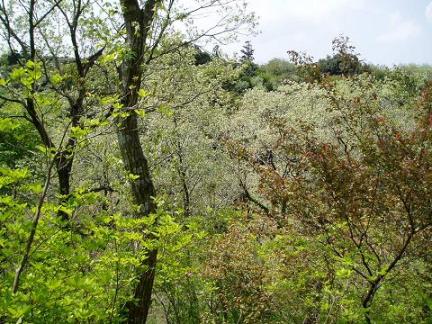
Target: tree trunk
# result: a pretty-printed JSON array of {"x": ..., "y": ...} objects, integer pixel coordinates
[
  {"x": 143, "y": 192},
  {"x": 137, "y": 22}
]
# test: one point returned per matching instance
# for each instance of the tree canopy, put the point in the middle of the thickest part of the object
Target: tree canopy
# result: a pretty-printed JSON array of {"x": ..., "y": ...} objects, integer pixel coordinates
[{"x": 147, "y": 179}]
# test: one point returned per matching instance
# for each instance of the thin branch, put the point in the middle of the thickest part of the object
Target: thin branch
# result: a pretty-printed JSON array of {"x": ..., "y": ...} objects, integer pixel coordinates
[
  {"x": 12, "y": 100},
  {"x": 252, "y": 199},
  {"x": 35, "y": 223},
  {"x": 47, "y": 13}
]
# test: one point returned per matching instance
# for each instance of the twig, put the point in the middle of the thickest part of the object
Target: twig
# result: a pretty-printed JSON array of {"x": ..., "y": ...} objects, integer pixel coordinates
[{"x": 35, "y": 223}]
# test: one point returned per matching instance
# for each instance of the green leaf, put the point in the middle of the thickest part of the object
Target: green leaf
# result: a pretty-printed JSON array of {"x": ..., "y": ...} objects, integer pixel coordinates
[
  {"x": 17, "y": 73},
  {"x": 78, "y": 132},
  {"x": 143, "y": 93},
  {"x": 140, "y": 112},
  {"x": 166, "y": 110},
  {"x": 108, "y": 58},
  {"x": 132, "y": 177},
  {"x": 56, "y": 79},
  {"x": 108, "y": 100}
]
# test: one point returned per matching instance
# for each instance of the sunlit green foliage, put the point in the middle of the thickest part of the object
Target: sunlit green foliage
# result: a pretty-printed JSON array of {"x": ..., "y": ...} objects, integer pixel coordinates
[{"x": 285, "y": 193}]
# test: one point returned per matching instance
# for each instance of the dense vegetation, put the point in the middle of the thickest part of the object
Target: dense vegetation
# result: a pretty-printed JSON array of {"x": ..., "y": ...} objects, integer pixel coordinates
[{"x": 144, "y": 179}]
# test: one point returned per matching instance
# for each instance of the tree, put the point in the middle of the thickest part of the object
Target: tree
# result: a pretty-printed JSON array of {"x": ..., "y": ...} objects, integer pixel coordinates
[
  {"x": 347, "y": 176},
  {"x": 48, "y": 76},
  {"x": 247, "y": 52},
  {"x": 277, "y": 71},
  {"x": 42, "y": 77},
  {"x": 344, "y": 60},
  {"x": 139, "y": 22}
]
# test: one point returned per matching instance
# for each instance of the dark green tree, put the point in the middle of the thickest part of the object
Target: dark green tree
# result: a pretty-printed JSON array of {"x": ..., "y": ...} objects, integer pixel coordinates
[{"x": 247, "y": 52}]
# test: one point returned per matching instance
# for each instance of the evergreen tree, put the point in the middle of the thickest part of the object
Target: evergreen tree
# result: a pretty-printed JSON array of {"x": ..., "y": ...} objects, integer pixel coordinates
[{"x": 247, "y": 52}]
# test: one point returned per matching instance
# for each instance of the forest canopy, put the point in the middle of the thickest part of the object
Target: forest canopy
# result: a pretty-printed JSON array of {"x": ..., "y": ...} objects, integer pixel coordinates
[{"x": 145, "y": 178}]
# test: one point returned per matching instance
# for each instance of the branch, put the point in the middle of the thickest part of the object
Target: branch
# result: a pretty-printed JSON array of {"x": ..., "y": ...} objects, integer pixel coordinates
[
  {"x": 12, "y": 100},
  {"x": 252, "y": 199},
  {"x": 36, "y": 121},
  {"x": 47, "y": 13},
  {"x": 30, "y": 240},
  {"x": 11, "y": 33},
  {"x": 35, "y": 223}
]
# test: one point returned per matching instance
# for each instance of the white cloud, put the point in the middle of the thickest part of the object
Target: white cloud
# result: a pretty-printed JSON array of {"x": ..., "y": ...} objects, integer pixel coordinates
[
  {"x": 308, "y": 11},
  {"x": 428, "y": 11},
  {"x": 400, "y": 29},
  {"x": 318, "y": 10}
]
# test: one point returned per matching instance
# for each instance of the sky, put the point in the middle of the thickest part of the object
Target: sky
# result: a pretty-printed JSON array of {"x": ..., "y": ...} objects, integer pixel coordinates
[{"x": 385, "y": 32}]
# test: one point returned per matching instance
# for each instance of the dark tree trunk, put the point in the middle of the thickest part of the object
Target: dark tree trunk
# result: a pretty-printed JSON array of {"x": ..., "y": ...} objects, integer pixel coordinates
[
  {"x": 137, "y": 22},
  {"x": 64, "y": 168},
  {"x": 63, "y": 160},
  {"x": 183, "y": 179}
]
